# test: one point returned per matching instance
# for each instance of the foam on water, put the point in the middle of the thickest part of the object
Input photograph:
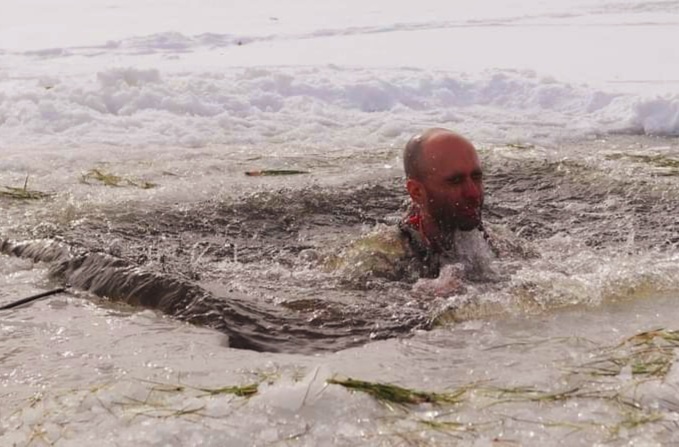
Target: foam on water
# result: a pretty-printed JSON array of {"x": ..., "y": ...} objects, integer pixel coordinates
[{"x": 585, "y": 278}]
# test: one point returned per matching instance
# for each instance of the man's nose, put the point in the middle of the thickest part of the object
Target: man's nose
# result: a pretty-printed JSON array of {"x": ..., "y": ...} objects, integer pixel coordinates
[{"x": 473, "y": 190}]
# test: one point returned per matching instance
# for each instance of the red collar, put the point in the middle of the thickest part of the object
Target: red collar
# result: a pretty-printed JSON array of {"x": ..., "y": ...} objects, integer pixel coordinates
[{"x": 415, "y": 221}]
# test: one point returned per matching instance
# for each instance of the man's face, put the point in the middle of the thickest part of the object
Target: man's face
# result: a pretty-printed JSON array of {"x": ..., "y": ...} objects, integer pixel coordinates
[{"x": 453, "y": 183}]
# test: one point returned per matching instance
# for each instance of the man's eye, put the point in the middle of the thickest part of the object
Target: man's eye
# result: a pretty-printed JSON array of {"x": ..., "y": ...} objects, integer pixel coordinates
[{"x": 477, "y": 176}]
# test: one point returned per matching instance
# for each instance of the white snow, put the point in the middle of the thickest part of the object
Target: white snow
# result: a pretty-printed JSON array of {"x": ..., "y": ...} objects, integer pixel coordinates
[
  {"x": 323, "y": 107},
  {"x": 355, "y": 74}
]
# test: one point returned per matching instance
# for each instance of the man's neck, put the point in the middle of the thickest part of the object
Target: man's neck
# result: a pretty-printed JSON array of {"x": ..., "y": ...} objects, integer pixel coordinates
[{"x": 438, "y": 240}]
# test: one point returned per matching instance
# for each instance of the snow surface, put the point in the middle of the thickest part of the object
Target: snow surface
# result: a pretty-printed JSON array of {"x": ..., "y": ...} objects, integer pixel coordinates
[{"x": 355, "y": 74}]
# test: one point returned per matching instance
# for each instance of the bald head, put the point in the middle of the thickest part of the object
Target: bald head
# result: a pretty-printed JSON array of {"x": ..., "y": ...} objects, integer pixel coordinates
[
  {"x": 445, "y": 181},
  {"x": 415, "y": 162}
]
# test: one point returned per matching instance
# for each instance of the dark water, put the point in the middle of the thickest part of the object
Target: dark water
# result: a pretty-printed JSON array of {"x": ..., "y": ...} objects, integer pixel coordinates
[{"x": 249, "y": 266}]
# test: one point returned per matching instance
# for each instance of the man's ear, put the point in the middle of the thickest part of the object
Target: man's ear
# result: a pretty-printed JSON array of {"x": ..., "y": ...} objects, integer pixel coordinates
[{"x": 416, "y": 190}]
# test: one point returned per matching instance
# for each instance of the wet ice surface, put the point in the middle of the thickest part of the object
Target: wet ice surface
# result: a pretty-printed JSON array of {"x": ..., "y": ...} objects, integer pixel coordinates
[
  {"x": 602, "y": 214},
  {"x": 77, "y": 371}
]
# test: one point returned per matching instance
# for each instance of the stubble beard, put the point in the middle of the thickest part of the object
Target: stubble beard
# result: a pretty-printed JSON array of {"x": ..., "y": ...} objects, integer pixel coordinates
[{"x": 449, "y": 221}]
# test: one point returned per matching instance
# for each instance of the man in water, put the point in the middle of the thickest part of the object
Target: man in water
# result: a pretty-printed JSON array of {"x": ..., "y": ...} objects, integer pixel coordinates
[{"x": 445, "y": 182}]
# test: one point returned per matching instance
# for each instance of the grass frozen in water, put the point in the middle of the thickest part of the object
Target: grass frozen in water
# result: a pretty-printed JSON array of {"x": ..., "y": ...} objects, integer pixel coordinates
[
  {"x": 649, "y": 354},
  {"x": 240, "y": 391},
  {"x": 613, "y": 408},
  {"x": 274, "y": 172},
  {"x": 520, "y": 145},
  {"x": 100, "y": 176},
  {"x": 236, "y": 390},
  {"x": 399, "y": 395},
  {"x": 479, "y": 408},
  {"x": 155, "y": 406},
  {"x": 666, "y": 165},
  {"x": 22, "y": 193}
]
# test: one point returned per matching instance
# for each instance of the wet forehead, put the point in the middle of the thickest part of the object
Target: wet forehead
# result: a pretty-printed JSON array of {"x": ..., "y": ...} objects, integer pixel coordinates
[{"x": 448, "y": 153}]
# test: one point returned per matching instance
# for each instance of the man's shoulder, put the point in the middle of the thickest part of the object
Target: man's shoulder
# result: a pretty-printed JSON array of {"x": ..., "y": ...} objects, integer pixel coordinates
[
  {"x": 383, "y": 252},
  {"x": 385, "y": 241}
]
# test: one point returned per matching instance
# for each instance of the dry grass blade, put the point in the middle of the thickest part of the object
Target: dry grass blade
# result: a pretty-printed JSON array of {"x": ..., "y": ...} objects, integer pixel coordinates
[
  {"x": 520, "y": 344},
  {"x": 573, "y": 425},
  {"x": 529, "y": 394},
  {"x": 633, "y": 420},
  {"x": 671, "y": 337},
  {"x": 23, "y": 193},
  {"x": 399, "y": 395},
  {"x": 648, "y": 353},
  {"x": 671, "y": 165},
  {"x": 142, "y": 184},
  {"x": 100, "y": 176},
  {"x": 274, "y": 172},
  {"x": 534, "y": 343},
  {"x": 447, "y": 425},
  {"x": 241, "y": 391},
  {"x": 108, "y": 179}
]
